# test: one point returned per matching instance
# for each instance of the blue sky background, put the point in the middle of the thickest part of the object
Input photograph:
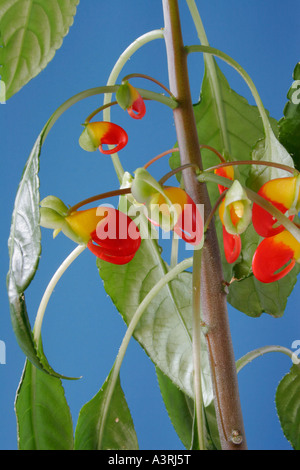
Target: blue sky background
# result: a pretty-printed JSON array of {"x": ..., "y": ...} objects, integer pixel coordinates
[{"x": 82, "y": 331}]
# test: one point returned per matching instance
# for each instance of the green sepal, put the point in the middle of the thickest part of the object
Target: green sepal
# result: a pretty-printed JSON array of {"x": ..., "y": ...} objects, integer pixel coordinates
[
  {"x": 51, "y": 219},
  {"x": 87, "y": 142},
  {"x": 146, "y": 190},
  {"x": 53, "y": 215},
  {"x": 144, "y": 186},
  {"x": 123, "y": 96},
  {"x": 53, "y": 202}
]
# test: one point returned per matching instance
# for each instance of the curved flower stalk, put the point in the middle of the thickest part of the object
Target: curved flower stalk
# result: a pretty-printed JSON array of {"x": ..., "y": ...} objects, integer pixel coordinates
[
  {"x": 129, "y": 99},
  {"x": 97, "y": 134},
  {"x": 284, "y": 194},
  {"x": 108, "y": 233},
  {"x": 168, "y": 207},
  {"x": 275, "y": 257}
]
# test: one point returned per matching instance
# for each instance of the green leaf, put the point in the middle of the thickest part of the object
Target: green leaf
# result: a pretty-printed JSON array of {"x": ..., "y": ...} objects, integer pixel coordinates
[
  {"x": 289, "y": 124},
  {"x": 43, "y": 415},
  {"x": 180, "y": 408},
  {"x": 232, "y": 126},
  {"x": 24, "y": 250},
  {"x": 271, "y": 150},
  {"x": 31, "y": 31},
  {"x": 254, "y": 297},
  {"x": 117, "y": 432},
  {"x": 165, "y": 328},
  {"x": 288, "y": 405}
]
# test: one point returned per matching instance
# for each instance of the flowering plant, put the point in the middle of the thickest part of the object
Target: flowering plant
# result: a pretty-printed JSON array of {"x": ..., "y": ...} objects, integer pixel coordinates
[{"x": 232, "y": 206}]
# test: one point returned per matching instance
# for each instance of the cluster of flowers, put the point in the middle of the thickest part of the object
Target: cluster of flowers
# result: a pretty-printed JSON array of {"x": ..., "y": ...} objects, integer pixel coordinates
[
  {"x": 113, "y": 236},
  {"x": 278, "y": 252}
]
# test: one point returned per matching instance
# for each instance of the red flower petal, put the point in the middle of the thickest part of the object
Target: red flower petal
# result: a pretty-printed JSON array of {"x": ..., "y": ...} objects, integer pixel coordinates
[
  {"x": 98, "y": 251},
  {"x": 138, "y": 109},
  {"x": 232, "y": 246},
  {"x": 115, "y": 135},
  {"x": 116, "y": 238},
  {"x": 271, "y": 256},
  {"x": 263, "y": 221}
]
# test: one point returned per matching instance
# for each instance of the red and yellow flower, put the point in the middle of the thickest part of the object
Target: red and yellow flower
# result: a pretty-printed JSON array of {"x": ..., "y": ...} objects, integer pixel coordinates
[
  {"x": 97, "y": 134},
  {"x": 108, "y": 233},
  {"x": 231, "y": 241},
  {"x": 170, "y": 208},
  {"x": 129, "y": 98},
  {"x": 277, "y": 254},
  {"x": 284, "y": 194},
  {"x": 275, "y": 257},
  {"x": 235, "y": 215}
]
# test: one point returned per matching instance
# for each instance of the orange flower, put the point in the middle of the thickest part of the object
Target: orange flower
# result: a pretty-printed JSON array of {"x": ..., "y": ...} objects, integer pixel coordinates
[{"x": 270, "y": 259}]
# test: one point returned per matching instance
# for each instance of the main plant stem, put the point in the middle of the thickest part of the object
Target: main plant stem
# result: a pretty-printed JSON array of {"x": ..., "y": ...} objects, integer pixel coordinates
[{"x": 213, "y": 298}]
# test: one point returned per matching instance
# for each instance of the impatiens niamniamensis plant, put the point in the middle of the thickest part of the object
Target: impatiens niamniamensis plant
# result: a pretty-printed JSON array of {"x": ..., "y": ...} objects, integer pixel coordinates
[{"x": 237, "y": 218}]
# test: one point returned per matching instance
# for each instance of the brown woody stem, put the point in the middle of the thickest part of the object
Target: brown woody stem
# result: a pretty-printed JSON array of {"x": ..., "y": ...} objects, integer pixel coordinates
[{"x": 213, "y": 298}]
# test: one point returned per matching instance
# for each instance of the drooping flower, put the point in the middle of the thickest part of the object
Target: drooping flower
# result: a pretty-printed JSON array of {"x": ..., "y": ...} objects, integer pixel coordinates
[
  {"x": 108, "y": 233},
  {"x": 180, "y": 214},
  {"x": 170, "y": 208},
  {"x": 275, "y": 257},
  {"x": 235, "y": 215},
  {"x": 129, "y": 98},
  {"x": 97, "y": 134},
  {"x": 284, "y": 194}
]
